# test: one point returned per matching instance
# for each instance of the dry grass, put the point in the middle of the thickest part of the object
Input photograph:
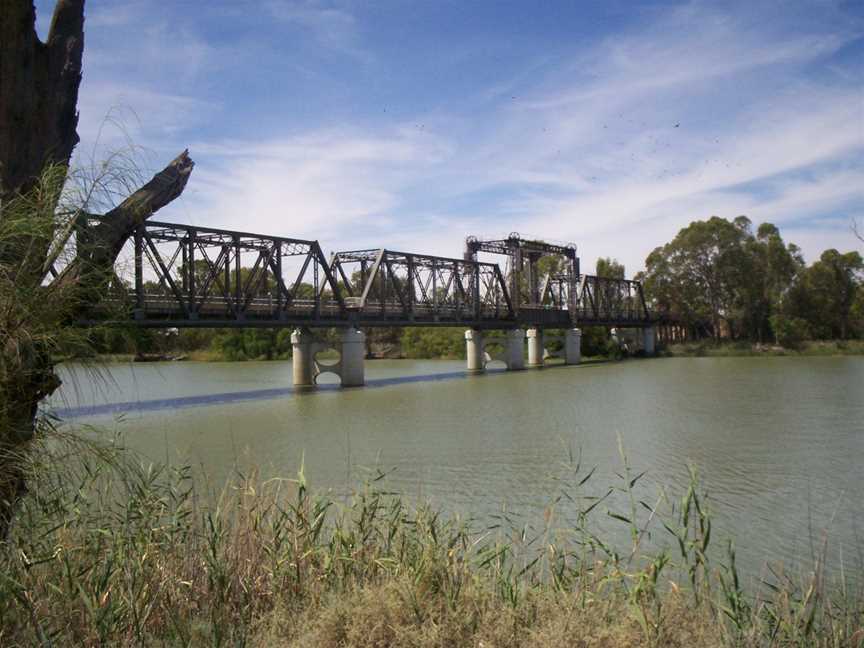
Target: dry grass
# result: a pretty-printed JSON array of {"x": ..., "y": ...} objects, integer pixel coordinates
[
  {"x": 110, "y": 552},
  {"x": 387, "y": 615}
]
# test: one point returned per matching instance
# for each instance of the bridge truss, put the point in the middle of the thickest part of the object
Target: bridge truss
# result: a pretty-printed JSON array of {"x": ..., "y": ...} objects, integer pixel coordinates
[{"x": 171, "y": 275}]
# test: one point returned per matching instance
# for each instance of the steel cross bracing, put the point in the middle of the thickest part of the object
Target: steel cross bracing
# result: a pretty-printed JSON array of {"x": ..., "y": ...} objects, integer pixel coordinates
[
  {"x": 400, "y": 287},
  {"x": 598, "y": 300},
  {"x": 171, "y": 275}
]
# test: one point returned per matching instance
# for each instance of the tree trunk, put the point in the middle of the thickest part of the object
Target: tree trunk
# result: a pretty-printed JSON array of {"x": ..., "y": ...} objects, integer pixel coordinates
[{"x": 38, "y": 119}]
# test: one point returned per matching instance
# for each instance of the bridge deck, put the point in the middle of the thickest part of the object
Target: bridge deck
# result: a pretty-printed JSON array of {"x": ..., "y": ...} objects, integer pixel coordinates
[{"x": 159, "y": 312}]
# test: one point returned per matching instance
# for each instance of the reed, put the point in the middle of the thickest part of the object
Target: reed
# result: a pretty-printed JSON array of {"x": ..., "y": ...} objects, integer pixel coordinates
[{"x": 108, "y": 550}]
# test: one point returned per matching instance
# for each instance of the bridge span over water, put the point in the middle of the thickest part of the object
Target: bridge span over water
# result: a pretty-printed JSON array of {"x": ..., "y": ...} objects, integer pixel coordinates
[{"x": 172, "y": 275}]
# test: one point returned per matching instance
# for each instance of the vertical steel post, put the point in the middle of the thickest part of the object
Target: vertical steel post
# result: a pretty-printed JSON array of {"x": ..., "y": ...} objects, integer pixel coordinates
[
  {"x": 409, "y": 288},
  {"x": 456, "y": 281},
  {"x": 190, "y": 259},
  {"x": 573, "y": 287},
  {"x": 278, "y": 278},
  {"x": 139, "y": 273},
  {"x": 227, "y": 250},
  {"x": 237, "y": 282},
  {"x": 434, "y": 289},
  {"x": 533, "y": 280},
  {"x": 315, "y": 284},
  {"x": 516, "y": 277},
  {"x": 382, "y": 272},
  {"x": 184, "y": 276},
  {"x": 475, "y": 290}
]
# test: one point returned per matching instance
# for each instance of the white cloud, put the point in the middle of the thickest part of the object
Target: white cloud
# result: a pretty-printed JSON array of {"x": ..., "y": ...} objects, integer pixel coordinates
[
  {"x": 338, "y": 186},
  {"x": 696, "y": 113}
]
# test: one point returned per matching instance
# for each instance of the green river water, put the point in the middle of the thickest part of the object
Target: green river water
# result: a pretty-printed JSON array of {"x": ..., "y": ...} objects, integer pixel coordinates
[{"x": 778, "y": 442}]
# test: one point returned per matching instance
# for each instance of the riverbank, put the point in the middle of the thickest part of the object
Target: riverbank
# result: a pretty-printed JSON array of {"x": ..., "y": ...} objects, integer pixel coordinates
[
  {"x": 107, "y": 551},
  {"x": 708, "y": 348}
]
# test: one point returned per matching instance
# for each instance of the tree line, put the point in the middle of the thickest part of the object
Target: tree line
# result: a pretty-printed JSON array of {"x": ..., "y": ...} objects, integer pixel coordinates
[{"x": 738, "y": 284}]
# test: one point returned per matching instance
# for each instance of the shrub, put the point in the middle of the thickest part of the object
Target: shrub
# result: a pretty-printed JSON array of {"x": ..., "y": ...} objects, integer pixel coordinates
[{"x": 790, "y": 331}]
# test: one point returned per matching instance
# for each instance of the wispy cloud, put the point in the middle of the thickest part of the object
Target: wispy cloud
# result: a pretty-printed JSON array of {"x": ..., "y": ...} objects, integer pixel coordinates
[
  {"x": 693, "y": 112},
  {"x": 334, "y": 185},
  {"x": 333, "y": 27}
]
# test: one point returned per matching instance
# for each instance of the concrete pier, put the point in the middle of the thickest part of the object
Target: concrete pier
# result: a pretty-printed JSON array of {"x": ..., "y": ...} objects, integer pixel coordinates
[
  {"x": 350, "y": 368},
  {"x": 536, "y": 348},
  {"x": 573, "y": 346},
  {"x": 303, "y": 348},
  {"x": 649, "y": 340},
  {"x": 475, "y": 351},
  {"x": 353, "y": 357},
  {"x": 515, "y": 350}
]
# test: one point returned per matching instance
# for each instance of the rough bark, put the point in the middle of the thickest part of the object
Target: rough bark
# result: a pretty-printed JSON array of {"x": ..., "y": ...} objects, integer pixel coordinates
[
  {"x": 38, "y": 119},
  {"x": 38, "y": 91}
]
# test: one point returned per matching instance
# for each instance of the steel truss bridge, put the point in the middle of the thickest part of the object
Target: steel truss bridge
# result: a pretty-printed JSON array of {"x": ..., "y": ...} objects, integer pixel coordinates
[{"x": 171, "y": 275}]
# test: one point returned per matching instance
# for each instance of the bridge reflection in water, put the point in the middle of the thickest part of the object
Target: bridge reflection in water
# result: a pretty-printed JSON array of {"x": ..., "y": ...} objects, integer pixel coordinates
[{"x": 172, "y": 275}]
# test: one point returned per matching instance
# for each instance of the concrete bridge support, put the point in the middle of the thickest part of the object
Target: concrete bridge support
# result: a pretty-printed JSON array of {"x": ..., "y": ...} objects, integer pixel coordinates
[
  {"x": 649, "y": 338},
  {"x": 573, "y": 346},
  {"x": 475, "y": 351},
  {"x": 512, "y": 352},
  {"x": 515, "y": 349},
  {"x": 536, "y": 348},
  {"x": 350, "y": 368},
  {"x": 303, "y": 347},
  {"x": 353, "y": 357}
]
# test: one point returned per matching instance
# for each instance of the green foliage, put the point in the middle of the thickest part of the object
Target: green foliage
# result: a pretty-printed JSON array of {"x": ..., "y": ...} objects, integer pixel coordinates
[
  {"x": 35, "y": 311},
  {"x": 595, "y": 341},
  {"x": 609, "y": 268},
  {"x": 828, "y": 295},
  {"x": 433, "y": 342},
  {"x": 790, "y": 331},
  {"x": 754, "y": 287},
  {"x": 551, "y": 264},
  {"x": 253, "y": 344}
]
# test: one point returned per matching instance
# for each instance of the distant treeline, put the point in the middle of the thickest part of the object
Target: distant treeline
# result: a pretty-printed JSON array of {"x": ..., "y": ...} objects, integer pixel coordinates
[
  {"x": 717, "y": 276},
  {"x": 755, "y": 287}
]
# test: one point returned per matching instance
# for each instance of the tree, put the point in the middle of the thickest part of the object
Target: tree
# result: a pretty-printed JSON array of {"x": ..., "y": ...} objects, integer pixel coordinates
[
  {"x": 827, "y": 294},
  {"x": 609, "y": 268},
  {"x": 770, "y": 269},
  {"x": 38, "y": 121},
  {"x": 698, "y": 276}
]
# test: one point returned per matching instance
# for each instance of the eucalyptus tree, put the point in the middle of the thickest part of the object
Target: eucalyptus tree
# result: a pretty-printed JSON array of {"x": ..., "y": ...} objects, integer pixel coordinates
[
  {"x": 39, "y": 84},
  {"x": 609, "y": 268},
  {"x": 698, "y": 274},
  {"x": 829, "y": 293}
]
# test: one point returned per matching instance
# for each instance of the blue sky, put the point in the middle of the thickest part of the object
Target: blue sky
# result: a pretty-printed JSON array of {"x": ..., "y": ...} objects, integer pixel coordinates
[{"x": 411, "y": 125}]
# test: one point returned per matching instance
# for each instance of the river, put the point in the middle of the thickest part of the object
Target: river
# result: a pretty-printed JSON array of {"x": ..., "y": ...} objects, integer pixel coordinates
[{"x": 778, "y": 442}]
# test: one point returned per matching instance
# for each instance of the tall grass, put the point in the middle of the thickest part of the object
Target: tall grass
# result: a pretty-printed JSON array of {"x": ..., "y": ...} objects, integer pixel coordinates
[{"x": 108, "y": 550}]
